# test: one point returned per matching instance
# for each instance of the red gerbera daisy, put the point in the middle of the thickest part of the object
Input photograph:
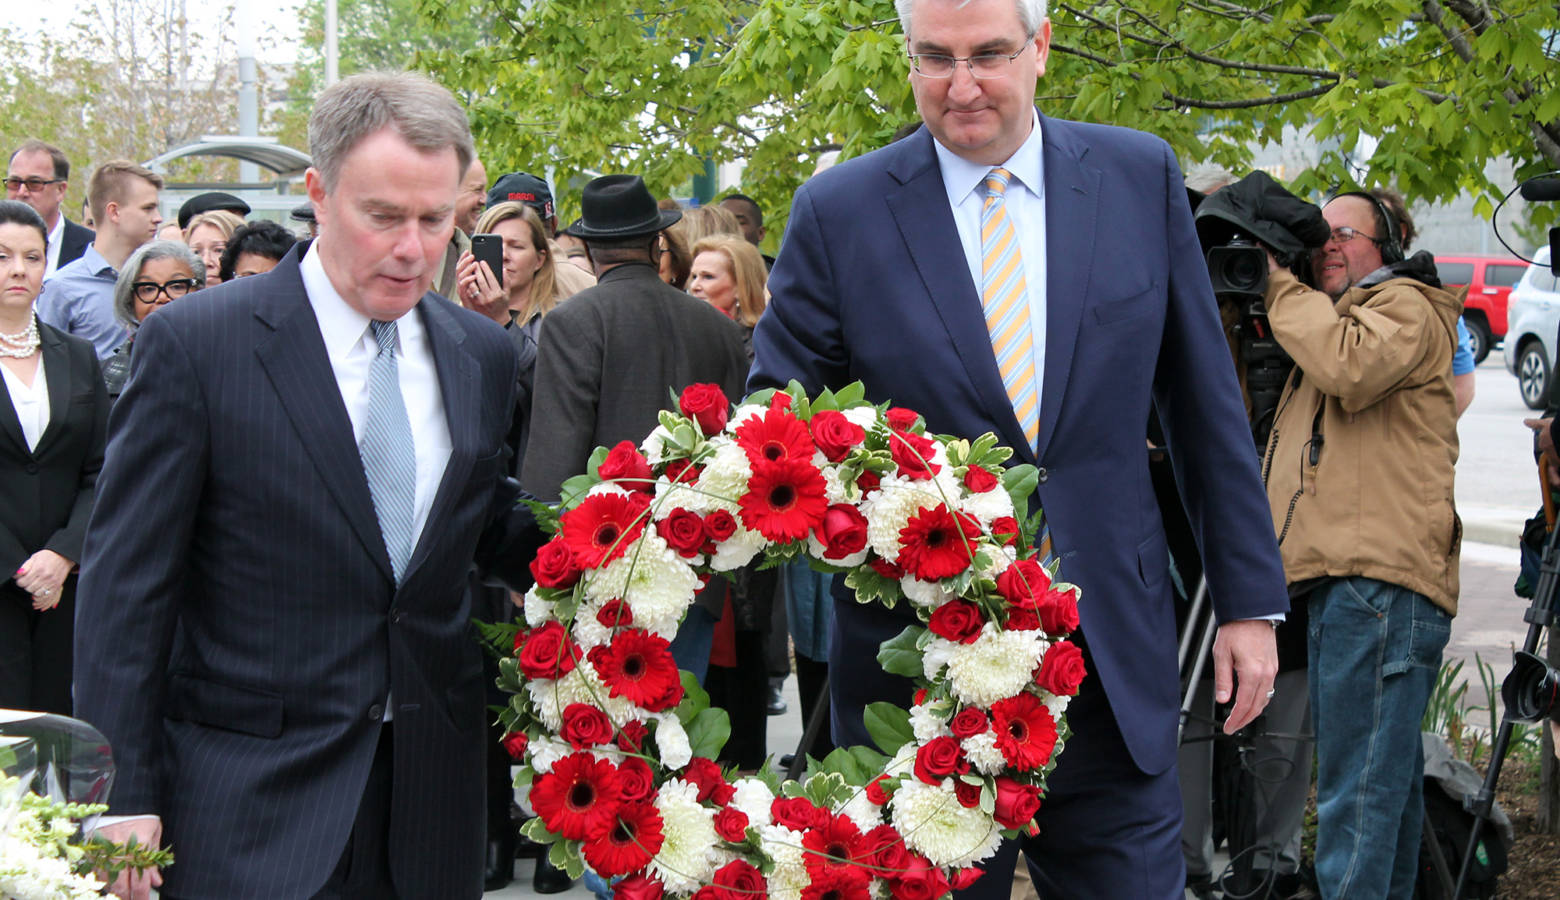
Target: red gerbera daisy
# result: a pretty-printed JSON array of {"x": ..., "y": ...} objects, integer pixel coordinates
[
  {"x": 837, "y": 847},
  {"x": 836, "y": 885},
  {"x": 578, "y": 798},
  {"x": 629, "y": 843},
  {"x": 775, "y": 436},
  {"x": 1026, "y": 733},
  {"x": 638, "y": 667},
  {"x": 602, "y": 526},
  {"x": 785, "y": 500},
  {"x": 937, "y": 544}
]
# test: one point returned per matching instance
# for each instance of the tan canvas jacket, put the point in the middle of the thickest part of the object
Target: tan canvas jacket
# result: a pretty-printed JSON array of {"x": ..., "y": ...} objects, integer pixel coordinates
[{"x": 1359, "y": 465}]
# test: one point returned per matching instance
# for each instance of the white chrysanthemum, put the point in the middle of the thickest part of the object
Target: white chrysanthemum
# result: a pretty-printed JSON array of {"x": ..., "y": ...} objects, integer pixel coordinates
[
  {"x": 890, "y": 508},
  {"x": 935, "y": 825},
  {"x": 654, "y": 446},
  {"x": 862, "y": 811},
  {"x": 926, "y": 594},
  {"x": 606, "y": 487},
  {"x": 998, "y": 665},
  {"x": 1001, "y": 558},
  {"x": 833, "y": 487},
  {"x": 742, "y": 414},
  {"x": 723, "y": 481},
  {"x": 1056, "y": 703},
  {"x": 587, "y": 630},
  {"x": 545, "y": 752},
  {"x": 738, "y": 550},
  {"x": 549, "y": 698},
  {"x": 669, "y": 496},
  {"x": 538, "y": 612},
  {"x": 927, "y": 722},
  {"x": 988, "y": 506},
  {"x": 684, "y": 863},
  {"x": 672, "y": 740},
  {"x": 936, "y": 655},
  {"x": 981, "y": 750},
  {"x": 864, "y": 417},
  {"x": 815, "y": 549},
  {"x": 657, "y": 584},
  {"x": 755, "y": 799},
  {"x": 784, "y": 847},
  {"x": 903, "y": 762}
]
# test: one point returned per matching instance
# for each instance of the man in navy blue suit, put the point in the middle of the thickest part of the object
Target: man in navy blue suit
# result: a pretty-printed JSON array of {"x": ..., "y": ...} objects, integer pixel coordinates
[
  {"x": 886, "y": 276},
  {"x": 274, "y": 623}
]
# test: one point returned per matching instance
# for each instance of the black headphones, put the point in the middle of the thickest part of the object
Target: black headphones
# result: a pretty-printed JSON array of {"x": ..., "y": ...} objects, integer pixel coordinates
[{"x": 1391, "y": 244}]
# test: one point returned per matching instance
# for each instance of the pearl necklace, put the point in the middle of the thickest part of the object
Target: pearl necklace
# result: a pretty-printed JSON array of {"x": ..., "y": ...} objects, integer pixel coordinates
[{"x": 23, "y": 343}]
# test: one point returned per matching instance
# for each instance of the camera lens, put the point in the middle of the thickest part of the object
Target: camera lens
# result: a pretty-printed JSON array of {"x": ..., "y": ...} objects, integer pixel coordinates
[
  {"x": 1530, "y": 691},
  {"x": 1237, "y": 269}
]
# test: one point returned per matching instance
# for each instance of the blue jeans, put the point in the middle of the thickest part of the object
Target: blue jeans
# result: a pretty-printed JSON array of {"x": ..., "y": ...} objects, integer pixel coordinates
[
  {"x": 691, "y": 646},
  {"x": 1375, "y": 649}
]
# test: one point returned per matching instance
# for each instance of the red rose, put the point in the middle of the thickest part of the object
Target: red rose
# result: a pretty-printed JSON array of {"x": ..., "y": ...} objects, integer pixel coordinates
[
  {"x": 739, "y": 880},
  {"x": 705, "y": 775},
  {"x": 781, "y": 401},
  {"x": 547, "y": 652},
  {"x": 720, "y": 525},
  {"x": 963, "y": 878},
  {"x": 632, "y": 736},
  {"x": 1005, "y": 529},
  {"x": 1020, "y": 619},
  {"x": 876, "y": 792},
  {"x": 683, "y": 531},
  {"x": 885, "y": 568},
  {"x": 797, "y": 813},
  {"x": 967, "y": 794},
  {"x": 842, "y": 532},
  {"x": 615, "y": 614},
  {"x": 1062, "y": 670},
  {"x": 554, "y": 565},
  {"x": 1023, "y": 583},
  {"x": 1058, "y": 612},
  {"x": 979, "y": 480},
  {"x": 901, "y": 419},
  {"x": 626, "y": 465},
  {"x": 958, "y": 621},
  {"x": 834, "y": 434},
  {"x": 707, "y": 405},
  {"x": 636, "y": 780},
  {"x": 682, "y": 471},
  {"x": 913, "y": 454},
  {"x": 515, "y": 743},
  {"x": 731, "y": 824},
  {"x": 939, "y": 758},
  {"x": 920, "y": 696},
  {"x": 868, "y": 481},
  {"x": 585, "y": 726},
  {"x": 969, "y": 722},
  {"x": 884, "y": 848},
  {"x": 920, "y": 880},
  {"x": 1017, "y": 803},
  {"x": 637, "y": 887}
]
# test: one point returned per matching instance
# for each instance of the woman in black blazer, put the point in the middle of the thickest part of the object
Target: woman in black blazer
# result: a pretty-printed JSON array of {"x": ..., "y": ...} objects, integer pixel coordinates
[{"x": 53, "y": 417}]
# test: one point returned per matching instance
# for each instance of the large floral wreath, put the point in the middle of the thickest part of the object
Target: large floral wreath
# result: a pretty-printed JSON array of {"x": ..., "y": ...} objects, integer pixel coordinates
[{"x": 617, "y": 746}]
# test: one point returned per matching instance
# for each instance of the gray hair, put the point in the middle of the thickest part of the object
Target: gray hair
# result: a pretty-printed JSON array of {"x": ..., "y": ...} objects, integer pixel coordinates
[
  {"x": 421, "y": 112},
  {"x": 1030, "y": 13},
  {"x": 1207, "y": 177},
  {"x": 124, "y": 294}
]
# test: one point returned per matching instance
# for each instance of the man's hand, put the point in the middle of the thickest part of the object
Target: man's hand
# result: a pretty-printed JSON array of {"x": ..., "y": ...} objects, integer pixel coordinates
[
  {"x": 1244, "y": 651},
  {"x": 148, "y": 832},
  {"x": 43, "y": 576}
]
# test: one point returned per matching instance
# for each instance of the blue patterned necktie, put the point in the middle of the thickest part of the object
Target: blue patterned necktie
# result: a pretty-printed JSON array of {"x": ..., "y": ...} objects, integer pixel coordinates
[{"x": 389, "y": 457}]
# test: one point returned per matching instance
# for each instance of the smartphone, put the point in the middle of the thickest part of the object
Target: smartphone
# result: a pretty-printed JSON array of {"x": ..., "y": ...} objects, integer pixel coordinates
[{"x": 489, "y": 248}]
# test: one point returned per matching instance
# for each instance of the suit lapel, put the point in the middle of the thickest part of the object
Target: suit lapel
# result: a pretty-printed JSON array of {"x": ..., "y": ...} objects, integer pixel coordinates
[
  {"x": 295, "y": 360},
  {"x": 10, "y": 425},
  {"x": 925, "y": 220},
  {"x": 56, "y": 367},
  {"x": 458, "y": 387},
  {"x": 1071, "y": 216}
]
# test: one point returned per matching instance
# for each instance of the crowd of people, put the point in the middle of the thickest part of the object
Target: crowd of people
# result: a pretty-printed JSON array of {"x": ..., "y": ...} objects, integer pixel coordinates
[{"x": 273, "y": 545}]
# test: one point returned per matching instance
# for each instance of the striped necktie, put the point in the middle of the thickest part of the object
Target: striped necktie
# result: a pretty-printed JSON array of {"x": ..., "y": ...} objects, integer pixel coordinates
[
  {"x": 1005, "y": 299},
  {"x": 389, "y": 457}
]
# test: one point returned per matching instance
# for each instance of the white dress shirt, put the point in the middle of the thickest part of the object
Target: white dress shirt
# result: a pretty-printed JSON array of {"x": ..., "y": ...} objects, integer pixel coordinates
[
  {"x": 51, "y": 253},
  {"x": 31, "y": 402},
  {"x": 1025, "y": 202}
]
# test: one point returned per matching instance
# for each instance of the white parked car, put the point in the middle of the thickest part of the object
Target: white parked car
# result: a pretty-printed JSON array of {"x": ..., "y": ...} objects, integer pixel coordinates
[{"x": 1533, "y": 322}]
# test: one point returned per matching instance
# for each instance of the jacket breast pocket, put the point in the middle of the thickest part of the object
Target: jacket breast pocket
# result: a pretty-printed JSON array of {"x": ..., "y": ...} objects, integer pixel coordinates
[
  {"x": 1138, "y": 303},
  {"x": 226, "y": 706}
]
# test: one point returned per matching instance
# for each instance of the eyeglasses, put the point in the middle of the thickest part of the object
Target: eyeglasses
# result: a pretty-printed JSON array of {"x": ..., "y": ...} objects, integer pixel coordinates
[
  {"x": 982, "y": 65},
  {"x": 147, "y": 291},
  {"x": 14, "y": 184},
  {"x": 1344, "y": 234}
]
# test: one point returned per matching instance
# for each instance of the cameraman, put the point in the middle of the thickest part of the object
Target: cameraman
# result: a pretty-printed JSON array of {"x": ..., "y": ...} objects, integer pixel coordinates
[{"x": 1359, "y": 471}]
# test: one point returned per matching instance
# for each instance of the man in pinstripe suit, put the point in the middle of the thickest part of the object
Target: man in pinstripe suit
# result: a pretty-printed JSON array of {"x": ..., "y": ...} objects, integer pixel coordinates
[{"x": 274, "y": 625}]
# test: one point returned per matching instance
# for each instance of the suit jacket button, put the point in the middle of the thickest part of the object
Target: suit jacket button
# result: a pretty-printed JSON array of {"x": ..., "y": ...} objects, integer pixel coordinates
[
  {"x": 32, "y": 468},
  {"x": 376, "y": 712},
  {"x": 1042, "y": 474}
]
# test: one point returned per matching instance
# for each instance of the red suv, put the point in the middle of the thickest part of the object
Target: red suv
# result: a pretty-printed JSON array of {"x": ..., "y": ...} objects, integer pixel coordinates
[{"x": 1489, "y": 280}]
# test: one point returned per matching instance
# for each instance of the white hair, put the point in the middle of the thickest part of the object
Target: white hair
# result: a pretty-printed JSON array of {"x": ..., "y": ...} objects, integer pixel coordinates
[{"x": 1030, "y": 13}]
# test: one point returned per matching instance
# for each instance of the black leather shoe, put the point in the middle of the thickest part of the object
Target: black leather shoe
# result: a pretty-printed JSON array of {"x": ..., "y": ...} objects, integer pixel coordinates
[
  {"x": 777, "y": 705},
  {"x": 525, "y": 848},
  {"x": 549, "y": 878},
  {"x": 500, "y": 869}
]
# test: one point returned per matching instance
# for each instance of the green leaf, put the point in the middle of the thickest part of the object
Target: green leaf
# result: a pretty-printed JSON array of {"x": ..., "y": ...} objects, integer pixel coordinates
[
  {"x": 888, "y": 725},
  {"x": 545, "y": 514},
  {"x": 1020, "y": 482},
  {"x": 900, "y": 655},
  {"x": 694, "y": 700},
  {"x": 566, "y": 856},
  {"x": 708, "y": 731},
  {"x": 870, "y": 587},
  {"x": 535, "y": 829},
  {"x": 870, "y": 760},
  {"x": 850, "y": 395},
  {"x": 841, "y": 760},
  {"x": 574, "y": 489}
]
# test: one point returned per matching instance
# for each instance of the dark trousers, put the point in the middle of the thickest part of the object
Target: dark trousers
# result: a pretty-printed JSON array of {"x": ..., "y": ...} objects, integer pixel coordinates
[
  {"x": 743, "y": 691},
  {"x": 35, "y": 651},
  {"x": 364, "y": 869},
  {"x": 812, "y": 677}
]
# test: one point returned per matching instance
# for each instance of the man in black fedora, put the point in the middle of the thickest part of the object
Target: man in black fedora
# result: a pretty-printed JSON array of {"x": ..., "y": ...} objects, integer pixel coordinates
[{"x": 607, "y": 356}]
